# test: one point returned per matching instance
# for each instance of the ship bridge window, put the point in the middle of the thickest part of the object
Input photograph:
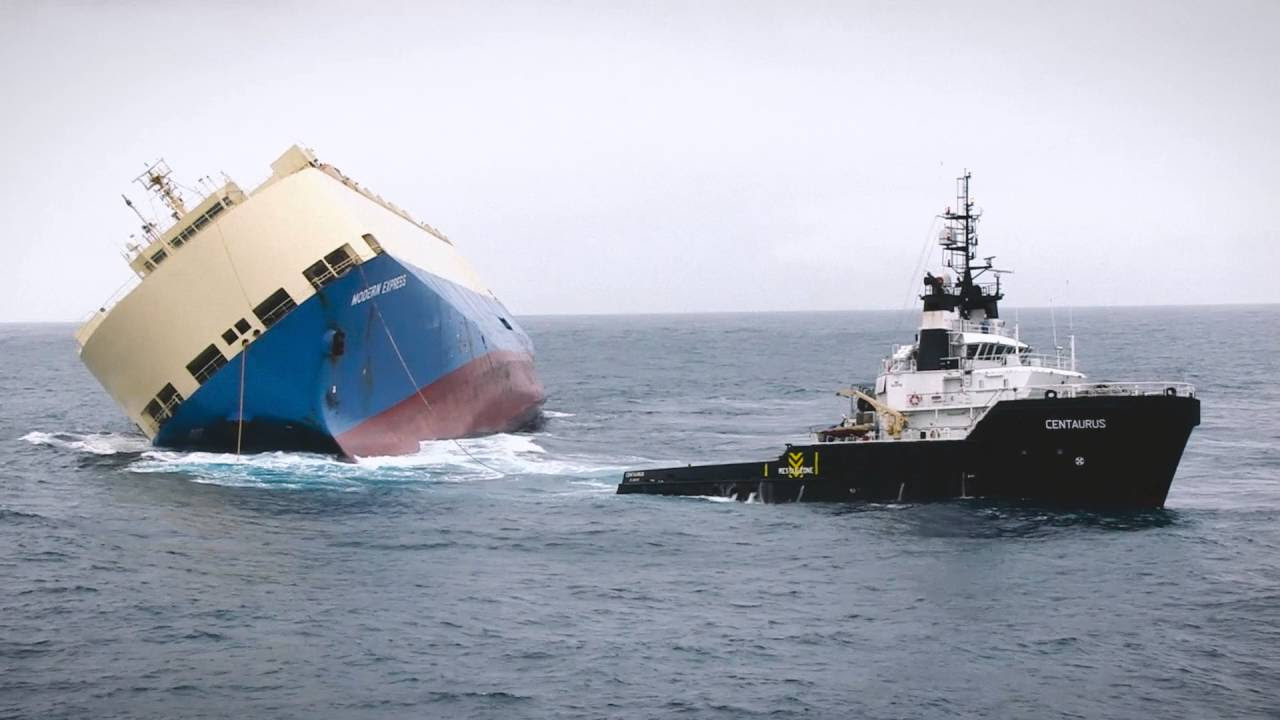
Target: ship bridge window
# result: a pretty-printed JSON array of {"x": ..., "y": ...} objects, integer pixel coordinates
[
  {"x": 984, "y": 351},
  {"x": 159, "y": 256},
  {"x": 205, "y": 217},
  {"x": 373, "y": 243},
  {"x": 276, "y": 306},
  {"x": 206, "y": 364}
]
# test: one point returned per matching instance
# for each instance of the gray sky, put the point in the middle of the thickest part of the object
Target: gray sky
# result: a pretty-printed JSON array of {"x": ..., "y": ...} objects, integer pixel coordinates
[{"x": 655, "y": 157}]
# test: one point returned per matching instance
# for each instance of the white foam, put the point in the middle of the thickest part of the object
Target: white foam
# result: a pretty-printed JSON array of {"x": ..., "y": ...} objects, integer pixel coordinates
[
  {"x": 489, "y": 457},
  {"x": 557, "y": 414},
  {"x": 94, "y": 443},
  {"x": 595, "y": 486},
  {"x": 483, "y": 458}
]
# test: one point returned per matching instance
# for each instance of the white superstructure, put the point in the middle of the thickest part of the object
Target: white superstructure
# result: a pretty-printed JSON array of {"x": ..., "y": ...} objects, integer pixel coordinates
[{"x": 964, "y": 358}]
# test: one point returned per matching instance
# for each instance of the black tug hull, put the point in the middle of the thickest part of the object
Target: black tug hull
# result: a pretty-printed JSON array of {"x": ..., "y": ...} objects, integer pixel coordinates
[{"x": 1100, "y": 452}]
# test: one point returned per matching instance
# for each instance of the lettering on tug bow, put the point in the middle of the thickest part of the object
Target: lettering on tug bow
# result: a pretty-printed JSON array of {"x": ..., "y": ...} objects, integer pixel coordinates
[{"x": 1065, "y": 424}]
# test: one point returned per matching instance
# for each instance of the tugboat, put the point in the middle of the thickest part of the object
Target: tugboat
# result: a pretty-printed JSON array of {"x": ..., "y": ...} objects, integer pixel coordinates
[{"x": 968, "y": 410}]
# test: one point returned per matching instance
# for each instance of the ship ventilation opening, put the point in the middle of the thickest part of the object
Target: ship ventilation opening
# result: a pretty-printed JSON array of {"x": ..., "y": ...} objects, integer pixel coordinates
[
  {"x": 276, "y": 306},
  {"x": 331, "y": 267},
  {"x": 505, "y": 324},
  {"x": 338, "y": 345},
  {"x": 206, "y": 364},
  {"x": 164, "y": 404}
]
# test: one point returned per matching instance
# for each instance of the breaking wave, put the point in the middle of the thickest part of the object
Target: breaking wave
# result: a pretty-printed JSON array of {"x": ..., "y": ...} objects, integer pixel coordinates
[
  {"x": 94, "y": 443},
  {"x": 445, "y": 461}
]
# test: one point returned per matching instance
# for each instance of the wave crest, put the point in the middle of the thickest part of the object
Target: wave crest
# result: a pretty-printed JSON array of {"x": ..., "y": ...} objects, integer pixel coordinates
[{"x": 94, "y": 443}]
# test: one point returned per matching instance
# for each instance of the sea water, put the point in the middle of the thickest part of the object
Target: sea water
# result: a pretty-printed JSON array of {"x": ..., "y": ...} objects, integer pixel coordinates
[{"x": 500, "y": 577}]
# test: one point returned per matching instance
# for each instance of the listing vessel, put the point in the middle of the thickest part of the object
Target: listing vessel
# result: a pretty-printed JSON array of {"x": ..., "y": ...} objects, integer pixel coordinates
[
  {"x": 969, "y": 410},
  {"x": 307, "y": 314}
]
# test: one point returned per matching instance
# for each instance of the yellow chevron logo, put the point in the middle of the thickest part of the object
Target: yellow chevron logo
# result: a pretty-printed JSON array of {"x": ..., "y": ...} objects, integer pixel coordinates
[
  {"x": 796, "y": 461},
  {"x": 795, "y": 466}
]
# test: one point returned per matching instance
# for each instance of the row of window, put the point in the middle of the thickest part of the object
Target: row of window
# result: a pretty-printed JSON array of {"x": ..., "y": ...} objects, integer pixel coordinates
[
  {"x": 984, "y": 351},
  {"x": 181, "y": 238},
  {"x": 269, "y": 312},
  {"x": 278, "y": 304},
  {"x": 200, "y": 222}
]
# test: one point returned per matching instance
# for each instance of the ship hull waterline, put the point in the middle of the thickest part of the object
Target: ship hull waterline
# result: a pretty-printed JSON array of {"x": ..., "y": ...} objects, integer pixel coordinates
[{"x": 1089, "y": 452}]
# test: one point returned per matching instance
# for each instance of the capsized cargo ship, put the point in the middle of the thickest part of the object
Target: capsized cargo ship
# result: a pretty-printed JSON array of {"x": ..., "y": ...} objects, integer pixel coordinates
[{"x": 308, "y": 314}]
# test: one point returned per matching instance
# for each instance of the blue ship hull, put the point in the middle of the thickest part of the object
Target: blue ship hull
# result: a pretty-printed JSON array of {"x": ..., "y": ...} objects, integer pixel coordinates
[{"x": 377, "y": 361}]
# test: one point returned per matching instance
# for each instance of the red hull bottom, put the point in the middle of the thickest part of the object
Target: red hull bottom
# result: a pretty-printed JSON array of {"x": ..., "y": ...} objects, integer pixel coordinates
[{"x": 498, "y": 392}]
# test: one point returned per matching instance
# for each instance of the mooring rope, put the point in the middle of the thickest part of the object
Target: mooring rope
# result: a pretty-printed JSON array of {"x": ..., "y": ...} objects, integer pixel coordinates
[
  {"x": 244, "y": 362},
  {"x": 417, "y": 389}
]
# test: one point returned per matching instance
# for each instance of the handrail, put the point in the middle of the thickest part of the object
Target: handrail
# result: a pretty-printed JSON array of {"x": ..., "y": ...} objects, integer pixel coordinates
[
  {"x": 989, "y": 396},
  {"x": 1109, "y": 389},
  {"x": 987, "y": 327}
]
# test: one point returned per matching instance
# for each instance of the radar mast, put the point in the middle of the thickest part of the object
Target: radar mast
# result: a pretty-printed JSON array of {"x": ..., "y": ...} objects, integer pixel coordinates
[{"x": 155, "y": 179}]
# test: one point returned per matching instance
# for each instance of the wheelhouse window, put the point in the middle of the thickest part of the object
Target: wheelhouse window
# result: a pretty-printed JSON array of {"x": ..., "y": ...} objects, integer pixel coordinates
[
  {"x": 276, "y": 306},
  {"x": 206, "y": 364}
]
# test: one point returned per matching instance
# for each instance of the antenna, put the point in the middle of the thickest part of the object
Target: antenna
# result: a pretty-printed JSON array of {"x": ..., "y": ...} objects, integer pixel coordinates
[
  {"x": 959, "y": 241},
  {"x": 148, "y": 227},
  {"x": 155, "y": 179},
  {"x": 960, "y": 237},
  {"x": 1071, "y": 323},
  {"x": 1053, "y": 318},
  {"x": 1071, "y": 310}
]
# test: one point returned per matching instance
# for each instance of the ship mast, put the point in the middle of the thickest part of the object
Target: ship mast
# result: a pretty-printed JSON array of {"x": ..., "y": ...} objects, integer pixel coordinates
[
  {"x": 155, "y": 179},
  {"x": 960, "y": 238},
  {"x": 959, "y": 241}
]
